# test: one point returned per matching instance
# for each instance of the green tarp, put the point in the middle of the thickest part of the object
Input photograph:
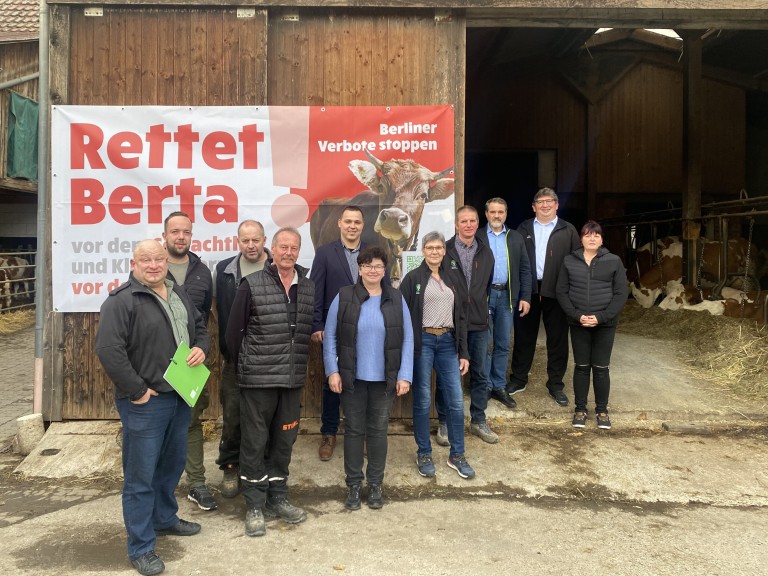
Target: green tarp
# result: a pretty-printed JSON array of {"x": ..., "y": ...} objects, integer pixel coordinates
[{"x": 22, "y": 138}]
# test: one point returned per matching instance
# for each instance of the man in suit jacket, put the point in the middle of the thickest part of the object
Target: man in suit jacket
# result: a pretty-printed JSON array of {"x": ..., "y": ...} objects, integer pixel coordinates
[{"x": 334, "y": 266}]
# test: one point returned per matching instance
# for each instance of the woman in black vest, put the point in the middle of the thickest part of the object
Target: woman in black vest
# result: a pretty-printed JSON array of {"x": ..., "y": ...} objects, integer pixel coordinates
[
  {"x": 368, "y": 356},
  {"x": 592, "y": 290}
]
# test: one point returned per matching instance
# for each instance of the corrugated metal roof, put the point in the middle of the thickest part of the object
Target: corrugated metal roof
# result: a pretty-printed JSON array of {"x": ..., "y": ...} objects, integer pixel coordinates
[{"x": 19, "y": 20}]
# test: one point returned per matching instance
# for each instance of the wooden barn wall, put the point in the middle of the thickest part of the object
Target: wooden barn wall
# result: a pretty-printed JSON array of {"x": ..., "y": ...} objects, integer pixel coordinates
[
  {"x": 179, "y": 56},
  {"x": 209, "y": 57},
  {"x": 364, "y": 58},
  {"x": 528, "y": 110},
  {"x": 17, "y": 59},
  {"x": 640, "y": 136}
]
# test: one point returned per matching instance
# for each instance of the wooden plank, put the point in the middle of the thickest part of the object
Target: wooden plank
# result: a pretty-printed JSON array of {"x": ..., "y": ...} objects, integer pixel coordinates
[
  {"x": 149, "y": 57},
  {"x": 117, "y": 81},
  {"x": 363, "y": 89},
  {"x": 300, "y": 62},
  {"x": 253, "y": 59},
  {"x": 59, "y": 55},
  {"x": 182, "y": 60},
  {"x": 166, "y": 59},
  {"x": 102, "y": 43},
  {"x": 332, "y": 62},
  {"x": 133, "y": 63},
  {"x": 395, "y": 59},
  {"x": 230, "y": 68},
  {"x": 214, "y": 40},
  {"x": 379, "y": 63},
  {"x": 199, "y": 59},
  {"x": 315, "y": 60},
  {"x": 347, "y": 52},
  {"x": 82, "y": 60},
  {"x": 280, "y": 58},
  {"x": 53, "y": 381}
]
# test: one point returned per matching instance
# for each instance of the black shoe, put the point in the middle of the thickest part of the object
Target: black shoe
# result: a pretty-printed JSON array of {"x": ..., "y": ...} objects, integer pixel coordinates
[
  {"x": 515, "y": 388},
  {"x": 254, "y": 522},
  {"x": 502, "y": 396},
  {"x": 375, "y": 499},
  {"x": 201, "y": 496},
  {"x": 148, "y": 564},
  {"x": 560, "y": 397},
  {"x": 181, "y": 528},
  {"x": 279, "y": 507},
  {"x": 353, "y": 497}
]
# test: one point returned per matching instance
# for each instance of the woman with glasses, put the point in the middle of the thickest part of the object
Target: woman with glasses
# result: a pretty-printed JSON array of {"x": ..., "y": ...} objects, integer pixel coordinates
[
  {"x": 592, "y": 290},
  {"x": 368, "y": 356},
  {"x": 440, "y": 343}
]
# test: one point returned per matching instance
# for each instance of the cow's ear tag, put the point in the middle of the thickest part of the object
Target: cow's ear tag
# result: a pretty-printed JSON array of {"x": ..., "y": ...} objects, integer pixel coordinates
[{"x": 379, "y": 173}]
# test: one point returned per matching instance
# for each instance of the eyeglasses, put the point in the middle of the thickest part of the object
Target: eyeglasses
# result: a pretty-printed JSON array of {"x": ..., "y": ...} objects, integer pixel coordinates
[
  {"x": 372, "y": 267},
  {"x": 545, "y": 201},
  {"x": 434, "y": 248}
]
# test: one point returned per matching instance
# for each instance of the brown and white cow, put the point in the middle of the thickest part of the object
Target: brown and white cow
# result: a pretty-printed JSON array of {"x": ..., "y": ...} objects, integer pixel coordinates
[
  {"x": 5, "y": 290},
  {"x": 655, "y": 280},
  {"x": 392, "y": 206},
  {"x": 20, "y": 274}
]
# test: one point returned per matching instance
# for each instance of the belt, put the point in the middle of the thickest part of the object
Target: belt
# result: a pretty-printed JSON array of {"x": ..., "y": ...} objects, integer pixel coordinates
[
  {"x": 500, "y": 286},
  {"x": 437, "y": 331}
]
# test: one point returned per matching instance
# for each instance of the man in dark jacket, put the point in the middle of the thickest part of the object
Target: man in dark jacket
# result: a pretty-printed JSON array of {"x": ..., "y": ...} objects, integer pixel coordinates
[
  {"x": 549, "y": 240},
  {"x": 140, "y": 327},
  {"x": 270, "y": 325},
  {"x": 187, "y": 270},
  {"x": 510, "y": 291},
  {"x": 334, "y": 266},
  {"x": 252, "y": 257},
  {"x": 475, "y": 261}
]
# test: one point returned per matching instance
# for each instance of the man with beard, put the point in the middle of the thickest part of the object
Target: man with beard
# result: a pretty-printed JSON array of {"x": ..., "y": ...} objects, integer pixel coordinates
[
  {"x": 187, "y": 270},
  {"x": 269, "y": 326},
  {"x": 252, "y": 257}
]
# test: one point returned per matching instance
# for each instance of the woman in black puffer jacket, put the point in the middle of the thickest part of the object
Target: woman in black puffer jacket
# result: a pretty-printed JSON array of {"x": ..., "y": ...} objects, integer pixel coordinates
[{"x": 592, "y": 290}]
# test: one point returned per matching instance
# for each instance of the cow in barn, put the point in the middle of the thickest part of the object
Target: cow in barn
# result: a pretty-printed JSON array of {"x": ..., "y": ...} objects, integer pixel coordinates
[
  {"x": 653, "y": 281},
  {"x": 5, "y": 290},
  {"x": 19, "y": 272},
  {"x": 392, "y": 206}
]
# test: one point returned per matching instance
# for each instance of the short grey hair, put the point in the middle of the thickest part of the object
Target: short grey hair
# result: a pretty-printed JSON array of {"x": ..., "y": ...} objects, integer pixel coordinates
[
  {"x": 431, "y": 237},
  {"x": 496, "y": 201},
  {"x": 548, "y": 192}
]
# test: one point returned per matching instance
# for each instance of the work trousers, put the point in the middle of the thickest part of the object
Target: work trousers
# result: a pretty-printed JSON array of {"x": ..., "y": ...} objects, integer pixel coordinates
[
  {"x": 524, "y": 347},
  {"x": 195, "y": 467},
  {"x": 269, "y": 420},
  {"x": 592, "y": 352},
  {"x": 229, "y": 394}
]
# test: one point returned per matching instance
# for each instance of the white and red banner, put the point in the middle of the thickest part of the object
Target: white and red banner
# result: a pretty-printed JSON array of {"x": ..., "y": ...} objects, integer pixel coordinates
[{"x": 117, "y": 172}]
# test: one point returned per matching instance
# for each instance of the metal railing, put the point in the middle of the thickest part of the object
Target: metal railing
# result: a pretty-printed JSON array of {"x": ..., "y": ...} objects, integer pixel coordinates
[{"x": 18, "y": 291}]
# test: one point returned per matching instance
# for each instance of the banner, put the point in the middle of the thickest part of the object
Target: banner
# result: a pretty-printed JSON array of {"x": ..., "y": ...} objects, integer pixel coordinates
[{"x": 117, "y": 172}]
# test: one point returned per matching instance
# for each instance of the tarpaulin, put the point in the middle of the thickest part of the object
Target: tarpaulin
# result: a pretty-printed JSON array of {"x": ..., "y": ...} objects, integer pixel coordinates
[{"x": 22, "y": 137}]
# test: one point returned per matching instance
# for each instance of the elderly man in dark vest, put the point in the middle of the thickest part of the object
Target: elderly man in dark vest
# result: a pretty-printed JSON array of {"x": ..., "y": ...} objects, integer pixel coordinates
[{"x": 270, "y": 324}]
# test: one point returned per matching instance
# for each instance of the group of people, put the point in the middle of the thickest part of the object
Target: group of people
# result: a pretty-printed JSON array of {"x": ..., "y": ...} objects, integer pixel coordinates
[{"x": 452, "y": 315}]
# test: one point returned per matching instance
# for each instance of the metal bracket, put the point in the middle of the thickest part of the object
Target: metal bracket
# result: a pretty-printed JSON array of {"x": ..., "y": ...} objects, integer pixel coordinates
[
  {"x": 94, "y": 11},
  {"x": 248, "y": 12},
  {"x": 443, "y": 15}
]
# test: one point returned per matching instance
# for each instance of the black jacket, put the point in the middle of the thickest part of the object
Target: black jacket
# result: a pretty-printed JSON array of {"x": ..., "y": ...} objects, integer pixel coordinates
[
  {"x": 598, "y": 289},
  {"x": 518, "y": 266},
  {"x": 351, "y": 299},
  {"x": 476, "y": 298},
  {"x": 563, "y": 240},
  {"x": 413, "y": 287},
  {"x": 227, "y": 280},
  {"x": 135, "y": 340},
  {"x": 271, "y": 353},
  {"x": 198, "y": 284}
]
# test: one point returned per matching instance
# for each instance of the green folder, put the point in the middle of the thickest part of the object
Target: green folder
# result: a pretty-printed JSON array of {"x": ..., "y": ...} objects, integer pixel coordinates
[{"x": 188, "y": 381}]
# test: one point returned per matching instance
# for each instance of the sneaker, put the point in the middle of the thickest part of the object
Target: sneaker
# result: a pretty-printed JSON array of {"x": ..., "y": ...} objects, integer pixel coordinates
[
  {"x": 441, "y": 436},
  {"x": 230, "y": 485},
  {"x": 254, "y": 522},
  {"x": 579, "y": 419},
  {"x": 603, "y": 421},
  {"x": 484, "y": 432},
  {"x": 280, "y": 508},
  {"x": 375, "y": 499},
  {"x": 459, "y": 463},
  {"x": 181, "y": 528},
  {"x": 513, "y": 389},
  {"x": 201, "y": 496},
  {"x": 148, "y": 564},
  {"x": 425, "y": 464},
  {"x": 353, "y": 497}
]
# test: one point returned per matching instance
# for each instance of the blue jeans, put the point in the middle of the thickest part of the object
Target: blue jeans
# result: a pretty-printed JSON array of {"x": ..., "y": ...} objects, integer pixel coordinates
[
  {"x": 500, "y": 332},
  {"x": 438, "y": 352},
  {"x": 154, "y": 453},
  {"x": 330, "y": 417},
  {"x": 477, "y": 342}
]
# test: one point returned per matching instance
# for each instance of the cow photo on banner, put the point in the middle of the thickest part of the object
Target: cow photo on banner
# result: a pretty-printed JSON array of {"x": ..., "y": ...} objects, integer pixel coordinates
[{"x": 118, "y": 171}]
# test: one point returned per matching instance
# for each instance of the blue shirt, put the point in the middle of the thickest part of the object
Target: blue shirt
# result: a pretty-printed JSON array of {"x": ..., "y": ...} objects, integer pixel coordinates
[
  {"x": 369, "y": 347},
  {"x": 542, "y": 232},
  {"x": 498, "y": 245}
]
